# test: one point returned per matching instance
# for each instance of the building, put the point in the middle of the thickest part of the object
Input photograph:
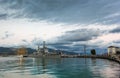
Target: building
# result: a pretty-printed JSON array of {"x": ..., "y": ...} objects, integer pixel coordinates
[{"x": 113, "y": 50}]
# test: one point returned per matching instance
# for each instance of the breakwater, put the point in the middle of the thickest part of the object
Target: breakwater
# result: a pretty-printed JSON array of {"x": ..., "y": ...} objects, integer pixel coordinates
[{"x": 115, "y": 58}]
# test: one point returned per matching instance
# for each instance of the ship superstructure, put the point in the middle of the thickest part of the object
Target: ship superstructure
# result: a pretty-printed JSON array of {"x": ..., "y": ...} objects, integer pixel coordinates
[{"x": 43, "y": 52}]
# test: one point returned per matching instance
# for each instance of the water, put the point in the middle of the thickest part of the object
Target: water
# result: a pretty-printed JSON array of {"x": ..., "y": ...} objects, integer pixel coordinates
[{"x": 12, "y": 67}]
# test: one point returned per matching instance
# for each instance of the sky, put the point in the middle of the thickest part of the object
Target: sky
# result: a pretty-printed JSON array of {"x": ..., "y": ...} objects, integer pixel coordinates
[{"x": 63, "y": 24}]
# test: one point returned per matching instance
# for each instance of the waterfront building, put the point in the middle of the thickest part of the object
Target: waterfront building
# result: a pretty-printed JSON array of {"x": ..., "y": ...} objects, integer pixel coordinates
[{"x": 113, "y": 50}]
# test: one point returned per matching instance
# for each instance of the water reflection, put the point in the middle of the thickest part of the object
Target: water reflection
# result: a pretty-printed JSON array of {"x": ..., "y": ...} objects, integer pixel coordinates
[
  {"x": 26, "y": 68},
  {"x": 21, "y": 61},
  {"x": 44, "y": 64},
  {"x": 59, "y": 68},
  {"x": 93, "y": 61},
  {"x": 40, "y": 64},
  {"x": 104, "y": 68}
]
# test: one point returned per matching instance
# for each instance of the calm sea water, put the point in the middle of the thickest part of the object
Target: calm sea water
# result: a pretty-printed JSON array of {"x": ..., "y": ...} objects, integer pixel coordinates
[{"x": 12, "y": 67}]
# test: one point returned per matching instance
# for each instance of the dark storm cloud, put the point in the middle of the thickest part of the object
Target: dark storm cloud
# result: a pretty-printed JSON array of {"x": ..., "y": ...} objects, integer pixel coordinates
[
  {"x": 3, "y": 16},
  {"x": 67, "y": 11},
  {"x": 79, "y": 35},
  {"x": 118, "y": 41},
  {"x": 116, "y": 30}
]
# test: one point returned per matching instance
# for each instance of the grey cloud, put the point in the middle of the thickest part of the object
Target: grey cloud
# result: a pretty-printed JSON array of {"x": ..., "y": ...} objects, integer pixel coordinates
[
  {"x": 79, "y": 35},
  {"x": 49, "y": 43},
  {"x": 67, "y": 11},
  {"x": 24, "y": 41},
  {"x": 3, "y": 16},
  {"x": 62, "y": 47},
  {"x": 59, "y": 43},
  {"x": 116, "y": 30},
  {"x": 68, "y": 48},
  {"x": 118, "y": 41},
  {"x": 66, "y": 41}
]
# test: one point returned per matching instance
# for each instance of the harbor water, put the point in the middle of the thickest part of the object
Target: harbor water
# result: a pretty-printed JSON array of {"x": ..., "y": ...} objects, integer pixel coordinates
[{"x": 14, "y": 67}]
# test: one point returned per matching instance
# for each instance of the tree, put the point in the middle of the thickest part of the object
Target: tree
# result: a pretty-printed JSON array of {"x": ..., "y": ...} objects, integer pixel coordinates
[
  {"x": 118, "y": 52},
  {"x": 93, "y": 52},
  {"x": 22, "y": 51}
]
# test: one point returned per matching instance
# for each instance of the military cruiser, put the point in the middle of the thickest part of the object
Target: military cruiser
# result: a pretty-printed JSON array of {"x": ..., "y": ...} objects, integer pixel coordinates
[{"x": 44, "y": 53}]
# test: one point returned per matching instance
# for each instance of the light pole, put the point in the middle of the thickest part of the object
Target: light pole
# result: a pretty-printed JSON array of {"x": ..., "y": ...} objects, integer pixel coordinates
[{"x": 84, "y": 49}]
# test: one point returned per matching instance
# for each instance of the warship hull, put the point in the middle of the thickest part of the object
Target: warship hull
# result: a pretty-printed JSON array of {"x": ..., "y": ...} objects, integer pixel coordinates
[{"x": 47, "y": 56}]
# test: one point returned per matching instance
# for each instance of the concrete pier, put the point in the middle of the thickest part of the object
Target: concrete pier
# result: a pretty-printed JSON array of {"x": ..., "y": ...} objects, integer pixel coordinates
[{"x": 116, "y": 59}]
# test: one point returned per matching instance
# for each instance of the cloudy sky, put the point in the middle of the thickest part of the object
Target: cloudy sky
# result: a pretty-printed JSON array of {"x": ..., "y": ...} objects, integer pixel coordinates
[{"x": 63, "y": 24}]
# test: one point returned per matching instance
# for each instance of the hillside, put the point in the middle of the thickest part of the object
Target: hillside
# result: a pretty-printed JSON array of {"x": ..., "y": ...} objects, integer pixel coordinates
[{"x": 12, "y": 51}]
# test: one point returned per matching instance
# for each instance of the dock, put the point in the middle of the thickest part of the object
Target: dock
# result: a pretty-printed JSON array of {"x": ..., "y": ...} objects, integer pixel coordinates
[{"x": 112, "y": 58}]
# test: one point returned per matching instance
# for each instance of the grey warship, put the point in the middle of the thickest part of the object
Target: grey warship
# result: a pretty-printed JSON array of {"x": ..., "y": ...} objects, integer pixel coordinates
[{"x": 44, "y": 53}]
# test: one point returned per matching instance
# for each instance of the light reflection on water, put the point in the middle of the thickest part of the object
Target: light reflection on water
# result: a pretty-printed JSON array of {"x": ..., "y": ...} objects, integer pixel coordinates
[{"x": 12, "y": 67}]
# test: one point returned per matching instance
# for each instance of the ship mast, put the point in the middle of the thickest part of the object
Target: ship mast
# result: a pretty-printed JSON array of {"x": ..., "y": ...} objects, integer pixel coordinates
[
  {"x": 38, "y": 48},
  {"x": 44, "y": 47},
  {"x": 84, "y": 49}
]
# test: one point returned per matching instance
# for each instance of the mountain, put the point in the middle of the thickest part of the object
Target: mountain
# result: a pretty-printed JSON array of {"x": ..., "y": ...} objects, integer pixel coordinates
[
  {"x": 6, "y": 49},
  {"x": 12, "y": 51}
]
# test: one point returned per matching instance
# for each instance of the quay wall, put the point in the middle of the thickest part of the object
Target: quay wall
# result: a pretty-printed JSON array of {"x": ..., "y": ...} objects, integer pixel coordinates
[{"x": 92, "y": 56}]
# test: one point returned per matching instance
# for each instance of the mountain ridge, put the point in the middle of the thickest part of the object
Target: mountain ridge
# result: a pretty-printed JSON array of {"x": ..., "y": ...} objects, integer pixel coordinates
[{"x": 12, "y": 51}]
